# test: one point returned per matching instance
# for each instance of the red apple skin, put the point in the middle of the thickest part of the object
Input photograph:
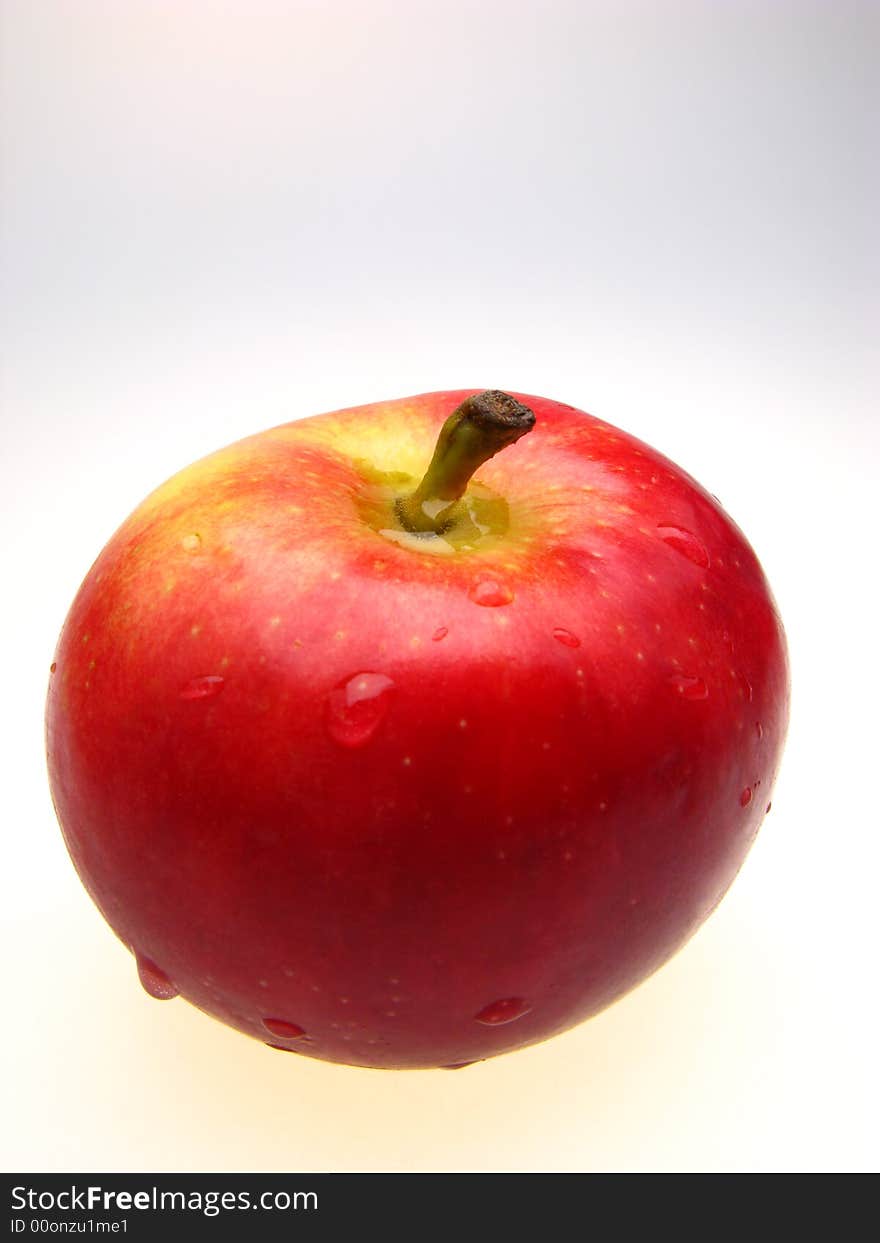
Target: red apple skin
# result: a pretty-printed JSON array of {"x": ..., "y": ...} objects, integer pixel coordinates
[{"x": 548, "y": 795}]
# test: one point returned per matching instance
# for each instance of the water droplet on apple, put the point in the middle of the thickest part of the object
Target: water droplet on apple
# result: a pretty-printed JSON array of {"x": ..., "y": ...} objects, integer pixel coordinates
[
  {"x": 759, "y": 729},
  {"x": 202, "y": 688},
  {"x": 689, "y": 687},
  {"x": 685, "y": 542},
  {"x": 153, "y": 980},
  {"x": 490, "y": 593},
  {"x": 280, "y": 1027},
  {"x": 357, "y": 707},
  {"x": 503, "y": 1011},
  {"x": 746, "y": 797},
  {"x": 440, "y": 633},
  {"x": 566, "y": 638}
]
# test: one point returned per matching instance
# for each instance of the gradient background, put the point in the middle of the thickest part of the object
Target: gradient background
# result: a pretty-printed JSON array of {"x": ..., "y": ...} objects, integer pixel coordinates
[{"x": 220, "y": 216}]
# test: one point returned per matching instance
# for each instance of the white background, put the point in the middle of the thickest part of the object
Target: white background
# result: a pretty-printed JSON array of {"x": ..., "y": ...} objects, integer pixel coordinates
[{"x": 219, "y": 216}]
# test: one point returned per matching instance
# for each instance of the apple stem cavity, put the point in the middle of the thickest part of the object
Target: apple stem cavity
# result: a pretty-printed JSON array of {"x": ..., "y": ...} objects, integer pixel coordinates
[{"x": 480, "y": 427}]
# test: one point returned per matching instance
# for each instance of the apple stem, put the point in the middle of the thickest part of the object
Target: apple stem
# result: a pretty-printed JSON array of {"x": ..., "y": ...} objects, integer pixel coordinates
[{"x": 475, "y": 431}]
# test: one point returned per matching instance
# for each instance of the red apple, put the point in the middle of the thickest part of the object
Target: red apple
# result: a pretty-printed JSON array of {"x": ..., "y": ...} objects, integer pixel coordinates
[{"x": 400, "y": 777}]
